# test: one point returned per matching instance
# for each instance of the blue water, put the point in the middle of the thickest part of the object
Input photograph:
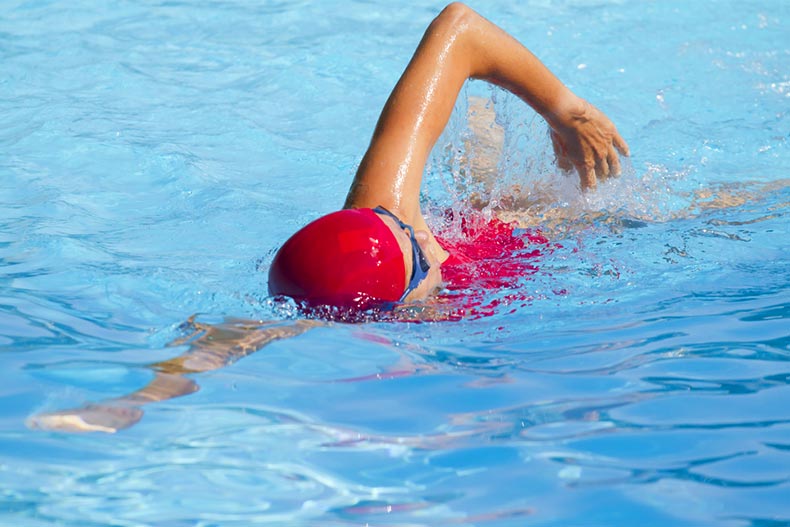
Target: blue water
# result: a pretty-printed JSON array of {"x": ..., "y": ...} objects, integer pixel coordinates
[{"x": 154, "y": 154}]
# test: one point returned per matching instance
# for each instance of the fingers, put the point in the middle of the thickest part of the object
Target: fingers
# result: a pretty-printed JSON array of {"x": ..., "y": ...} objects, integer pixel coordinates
[
  {"x": 586, "y": 176},
  {"x": 620, "y": 144},
  {"x": 563, "y": 162},
  {"x": 604, "y": 159},
  {"x": 602, "y": 168},
  {"x": 598, "y": 167},
  {"x": 592, "y": 151},
  {"x": 614, "y": 162}
]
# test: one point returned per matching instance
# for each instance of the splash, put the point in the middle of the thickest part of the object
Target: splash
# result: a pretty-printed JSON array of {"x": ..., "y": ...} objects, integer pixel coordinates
[{"x": 495, "y": 157}]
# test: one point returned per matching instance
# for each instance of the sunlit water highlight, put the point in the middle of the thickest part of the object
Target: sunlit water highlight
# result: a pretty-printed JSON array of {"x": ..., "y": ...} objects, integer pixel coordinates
[{"x": 154, "y": 154}]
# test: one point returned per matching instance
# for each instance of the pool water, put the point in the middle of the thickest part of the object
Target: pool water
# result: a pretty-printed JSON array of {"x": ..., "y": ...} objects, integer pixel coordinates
[{"x": 153, "y": 155}]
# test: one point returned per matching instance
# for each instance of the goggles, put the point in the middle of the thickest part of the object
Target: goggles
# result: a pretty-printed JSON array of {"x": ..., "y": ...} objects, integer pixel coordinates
[{"x": 420, "y": 265}]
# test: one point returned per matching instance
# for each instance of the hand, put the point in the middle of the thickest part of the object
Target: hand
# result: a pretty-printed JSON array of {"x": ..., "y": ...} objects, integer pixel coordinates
[
  {"x": 90, "y": 418},
  {"x": 586, "y": 139}
]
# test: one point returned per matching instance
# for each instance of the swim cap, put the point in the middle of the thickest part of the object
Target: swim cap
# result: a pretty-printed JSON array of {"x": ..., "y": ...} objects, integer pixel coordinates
[{"x": 347, "y": 259}]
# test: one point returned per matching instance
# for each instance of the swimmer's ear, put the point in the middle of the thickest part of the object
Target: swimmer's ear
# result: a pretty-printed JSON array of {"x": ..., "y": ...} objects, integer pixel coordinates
[
  {"x": 435, "y": 253},
  {"x": 424, "y": 240}
]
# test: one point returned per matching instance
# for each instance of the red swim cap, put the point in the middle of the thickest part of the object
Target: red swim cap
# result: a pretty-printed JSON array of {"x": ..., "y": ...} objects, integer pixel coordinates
[{"x": 346, "y": 259}]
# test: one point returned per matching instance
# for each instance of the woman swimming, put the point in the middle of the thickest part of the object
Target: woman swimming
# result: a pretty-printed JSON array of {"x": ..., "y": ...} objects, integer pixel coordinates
[{"x": 379, "y": 249}]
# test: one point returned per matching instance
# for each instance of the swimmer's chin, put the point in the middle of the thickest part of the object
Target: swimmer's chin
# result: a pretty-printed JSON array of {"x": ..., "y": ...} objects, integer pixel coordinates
[{"x": 90, "y": 418}]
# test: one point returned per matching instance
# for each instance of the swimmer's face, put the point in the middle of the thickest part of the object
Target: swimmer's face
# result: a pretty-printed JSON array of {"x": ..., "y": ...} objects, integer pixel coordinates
[{"x": 433, "y": 281}]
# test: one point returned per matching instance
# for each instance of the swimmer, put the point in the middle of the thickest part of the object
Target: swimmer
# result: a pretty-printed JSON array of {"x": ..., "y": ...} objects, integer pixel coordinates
[{"x": 378, "y": 250}]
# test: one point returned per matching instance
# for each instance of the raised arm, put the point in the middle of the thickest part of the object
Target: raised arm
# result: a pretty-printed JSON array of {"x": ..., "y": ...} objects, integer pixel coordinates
[{"x": 458, "y": 45}]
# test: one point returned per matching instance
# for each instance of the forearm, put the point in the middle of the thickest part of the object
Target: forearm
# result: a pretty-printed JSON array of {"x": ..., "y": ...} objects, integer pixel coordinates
[
  {"x": 216, "y": 347},
  {"x": 500, "y": 59},
  {"x": 211, "y": 347},
  {"x": 162, "y": 387},
  {"x": 583, "y": 137}
]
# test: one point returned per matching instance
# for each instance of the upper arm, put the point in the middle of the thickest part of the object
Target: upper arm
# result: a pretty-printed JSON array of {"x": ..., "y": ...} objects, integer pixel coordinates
[{"x": 390, "y": 173}]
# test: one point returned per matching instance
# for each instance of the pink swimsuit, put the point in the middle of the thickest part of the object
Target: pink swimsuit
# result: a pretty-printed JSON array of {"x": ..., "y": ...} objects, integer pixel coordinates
[{"x": 487, "y": 255}]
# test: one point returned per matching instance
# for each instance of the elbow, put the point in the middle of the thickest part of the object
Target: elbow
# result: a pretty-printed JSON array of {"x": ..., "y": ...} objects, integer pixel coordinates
[
  {"x": 456, "y": 25},
  {"x": 455, "y": 14},
  {"x": 457, "y": 9},
  {"x": 455, "y": 20}
]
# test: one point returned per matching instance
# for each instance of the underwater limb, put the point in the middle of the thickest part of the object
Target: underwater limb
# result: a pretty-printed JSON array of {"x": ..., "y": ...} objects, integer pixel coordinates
[
  {"x": 210, "y": 347},
  {"x": 89, "y": 418},
  {"x": 116, "y": 414}
]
